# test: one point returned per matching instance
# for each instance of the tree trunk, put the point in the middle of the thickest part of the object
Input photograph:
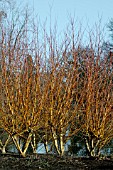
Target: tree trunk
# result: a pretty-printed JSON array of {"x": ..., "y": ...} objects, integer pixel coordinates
[
  {"x": 56, "y": 141},
  {"x": 46, "y": 146},
  {"x": 33, "y": 143},
  {"x": 92, "y": 148},
  {"x": 62, "y": 145},
  {"x": 16, "y": 142},
  {"x": 3, "y": 146}
]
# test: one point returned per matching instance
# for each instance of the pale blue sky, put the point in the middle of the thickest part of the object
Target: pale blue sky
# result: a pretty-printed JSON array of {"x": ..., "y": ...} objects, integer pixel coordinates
[{"x": 86, "y": 11}]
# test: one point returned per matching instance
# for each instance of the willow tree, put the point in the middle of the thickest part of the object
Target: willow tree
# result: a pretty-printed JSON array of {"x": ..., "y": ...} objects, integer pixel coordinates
[
  {"x": 20, "y": 85},
  {"x": 98, "y": 102},
  {"x": 64, "y": 97}
]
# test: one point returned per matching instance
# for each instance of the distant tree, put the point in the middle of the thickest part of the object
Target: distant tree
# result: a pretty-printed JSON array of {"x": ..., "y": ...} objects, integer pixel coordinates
[
  {"x": 110, "y": 27},
  {"x": 108, "y": 45},
  {"x": 77, "y": 145},
  {"x": 3, "y": 10}
]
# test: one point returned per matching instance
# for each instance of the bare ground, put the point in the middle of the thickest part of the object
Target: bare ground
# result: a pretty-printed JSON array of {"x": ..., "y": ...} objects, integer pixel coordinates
[{"x": 53, "y": 162}]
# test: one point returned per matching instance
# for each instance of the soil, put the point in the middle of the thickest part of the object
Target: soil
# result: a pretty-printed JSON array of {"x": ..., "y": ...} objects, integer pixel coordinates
[{"x": 53, "y": 162}]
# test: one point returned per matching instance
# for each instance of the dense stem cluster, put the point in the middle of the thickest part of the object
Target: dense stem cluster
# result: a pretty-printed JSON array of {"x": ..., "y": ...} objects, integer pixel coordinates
[{"x": 50, "y": 91}]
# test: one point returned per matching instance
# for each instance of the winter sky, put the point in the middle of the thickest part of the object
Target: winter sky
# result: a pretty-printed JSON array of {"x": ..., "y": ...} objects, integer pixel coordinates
[{"x": 87, "y": 12}]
